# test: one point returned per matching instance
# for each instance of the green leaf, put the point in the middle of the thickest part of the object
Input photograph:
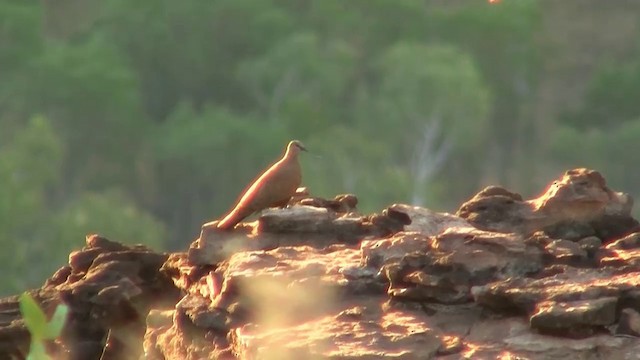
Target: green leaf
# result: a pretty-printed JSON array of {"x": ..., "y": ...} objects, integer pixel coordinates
[
  {"x": 57, "y": 322},
  {"x": 37, "y": 351},
  {"x": 34, "y": 317}
]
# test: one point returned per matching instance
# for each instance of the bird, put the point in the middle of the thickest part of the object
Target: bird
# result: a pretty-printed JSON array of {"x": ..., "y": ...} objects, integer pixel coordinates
[{"x": 273, "y": 188}]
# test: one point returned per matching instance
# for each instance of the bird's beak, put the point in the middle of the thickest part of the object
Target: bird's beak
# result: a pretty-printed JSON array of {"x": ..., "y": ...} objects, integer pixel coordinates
[{"x": 303, "y": 148}]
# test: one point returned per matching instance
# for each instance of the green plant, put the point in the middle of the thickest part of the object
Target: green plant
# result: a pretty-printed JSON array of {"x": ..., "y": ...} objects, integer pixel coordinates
[{"x": 41, "y": 330}]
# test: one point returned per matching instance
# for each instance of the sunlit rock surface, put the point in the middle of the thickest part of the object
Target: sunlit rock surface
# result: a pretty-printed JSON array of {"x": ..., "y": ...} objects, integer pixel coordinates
[{"x": 555, "y": 277}]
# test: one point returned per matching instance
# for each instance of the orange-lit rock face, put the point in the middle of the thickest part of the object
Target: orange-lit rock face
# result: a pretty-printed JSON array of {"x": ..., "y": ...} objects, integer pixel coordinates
[
  {"x": 321, "y": 281},
  {"x": 354, "y": 332},
  {"x": 581, "y": 194}
]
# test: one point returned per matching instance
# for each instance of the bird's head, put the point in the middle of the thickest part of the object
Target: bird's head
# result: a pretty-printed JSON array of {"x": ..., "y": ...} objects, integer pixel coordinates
[{"x": 294, "y": 147}]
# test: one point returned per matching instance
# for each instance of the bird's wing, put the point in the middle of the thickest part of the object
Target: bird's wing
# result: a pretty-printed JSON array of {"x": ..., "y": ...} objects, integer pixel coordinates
[{"x": 252, "y": 199}]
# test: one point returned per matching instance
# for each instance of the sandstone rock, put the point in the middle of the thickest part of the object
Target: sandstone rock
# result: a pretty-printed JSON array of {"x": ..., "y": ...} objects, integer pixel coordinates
[
  {"x": 350, "y": 333},
  {"x": 631, "y": 241},
  {"x": 574, "y": 284},
  {"x": 494, "y": 211},
  {"x": 567, "y": 252},
  {"x": 455, "y": 261},
  {"x": 507, "y": 278},
  {"x": 108, "y": 288},
  {"x": 574, "y": 316},
  {"x": 570, "y": 230},
  {"x": 377, "y": 252},
  {"x": 590, "y": 244},
  {"x": 629, "y": 323},
  {"x": 572, "y": 207},
  {"x": 428, "y": 222},
  {"x": 341, "y": 204},
  {"x": 299, "y": 219}
]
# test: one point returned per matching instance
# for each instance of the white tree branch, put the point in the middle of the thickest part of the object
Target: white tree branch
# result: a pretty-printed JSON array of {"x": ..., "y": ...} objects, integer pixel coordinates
[{"x": 429, "y": 155}]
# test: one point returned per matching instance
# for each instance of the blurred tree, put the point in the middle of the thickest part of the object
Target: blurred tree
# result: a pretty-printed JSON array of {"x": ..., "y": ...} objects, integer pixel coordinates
[
  {"x": 344, "y": 164},
  {"x": 430, "y": 105},
  {"x": 301, "y": 77},
  {"x": 181, "y": 49},
  {"x": 610, "y": 99},
  {"x": 19, "y": 41},
  {"x": 110, "y": 214},
  {"x": 37, "y": 236},
  {"x": 502, "y": 40},
  {"x": 173, "y": 107},
  {"x": 95, "y": 108},
  {"x": 29, "y": 166},
  {"x": 368, "y": 25}
]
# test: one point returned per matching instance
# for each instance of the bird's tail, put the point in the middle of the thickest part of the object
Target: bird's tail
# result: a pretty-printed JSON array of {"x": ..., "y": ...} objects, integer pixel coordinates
[{"x": 231, "y": 220}]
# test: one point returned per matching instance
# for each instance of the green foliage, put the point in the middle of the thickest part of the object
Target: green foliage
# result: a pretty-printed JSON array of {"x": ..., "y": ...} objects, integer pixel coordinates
[
  {"x": 141, "y": 120},
  {"x": 427, "y": 99},
  {"x": 20, "y": 32},
  {"x": 28, "y": 166},
  {"x": 345, "y": 165},
  {"x": 95, "y": 108},
  {"x": 112, "y": 215},
  {"x": 611, "y": 98},
  {"x": 35, "y": 225},
  {"x": 297, "y": 76},
  {"x": 38, "y": 326},
  {"x": 419, "y": 81},
  {"x": 179, "y": 49}
]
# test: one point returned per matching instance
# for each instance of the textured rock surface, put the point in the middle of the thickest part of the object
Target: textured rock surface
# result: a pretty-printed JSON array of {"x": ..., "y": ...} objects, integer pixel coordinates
[
  {"x": 109, "y": 289},
  {"x": 556, "y": 277}
]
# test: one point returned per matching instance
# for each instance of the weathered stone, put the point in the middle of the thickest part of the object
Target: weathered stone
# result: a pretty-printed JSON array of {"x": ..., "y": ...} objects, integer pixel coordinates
[
  {"x": 501, "y": 213},
  {"x": 60, "y": 276},
  {"x": 567, "y": 252},
  {"x": 611, "y": 227},
  {"x": 81, "y": 260},
  {"x": 573, "y": 284},
  {"x": 572, "y": 315},
  {"x": 479, "y": 251},
  {"x": 297, "y": 219},
  {"x": 630, "y": 299},
  {"x": 631, "y": 241},
  {"x": 570, "y": 208},
  {"x": 199, "y": 311},
  {"x": 590, "y": 244},
  {"x": 97, "y": 241},
  {"x": 629, "y": 323},
  {"x": 377, "y": 252},
  {"x": 427, "y": 222},
  {"x": 387, "y": 223},
  {"x": 405, "y": 283},
  {"x": 580, "y": 195},
  {"x": 538, "y": 346},
  {"x": 445, "y": 268},
  {"x": 570, "y": 230},
  {"x": 350, "y": 333},
  {"x": 620, "y": 258},
  {"x": 341, "y": 204}
]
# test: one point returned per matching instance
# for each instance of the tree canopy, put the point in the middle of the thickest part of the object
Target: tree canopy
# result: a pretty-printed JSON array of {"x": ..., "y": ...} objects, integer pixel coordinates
[{"x": 141, "y": 120}]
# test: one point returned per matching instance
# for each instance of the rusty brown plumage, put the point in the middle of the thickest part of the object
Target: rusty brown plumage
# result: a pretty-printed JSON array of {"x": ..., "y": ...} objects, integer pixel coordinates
[{"x": 273, "y": 188}]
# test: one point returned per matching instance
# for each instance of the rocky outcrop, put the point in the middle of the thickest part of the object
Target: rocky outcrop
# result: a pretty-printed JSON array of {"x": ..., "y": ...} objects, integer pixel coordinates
[
  {"x": 109, "y": 289},
  {"x": 555, "y": 277}
]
